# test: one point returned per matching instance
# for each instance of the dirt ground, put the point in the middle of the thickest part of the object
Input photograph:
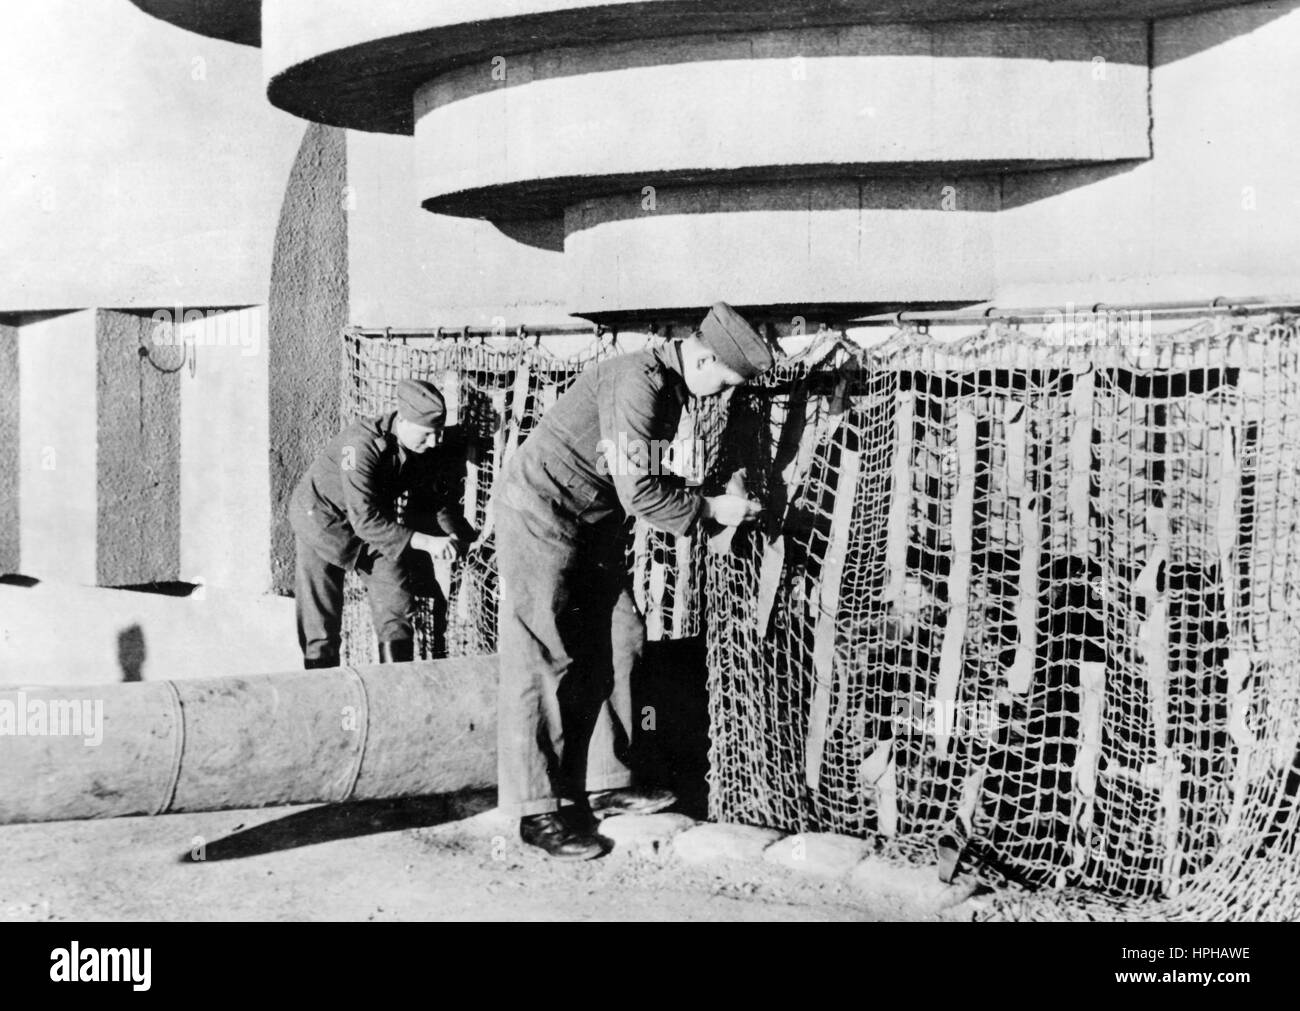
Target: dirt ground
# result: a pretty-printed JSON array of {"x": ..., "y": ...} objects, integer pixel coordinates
[{"x": 434, "y": 859}]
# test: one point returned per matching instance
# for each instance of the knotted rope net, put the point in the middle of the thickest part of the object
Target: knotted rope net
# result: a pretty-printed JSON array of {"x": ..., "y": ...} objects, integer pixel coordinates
[{"x": 1028, "y": 601}]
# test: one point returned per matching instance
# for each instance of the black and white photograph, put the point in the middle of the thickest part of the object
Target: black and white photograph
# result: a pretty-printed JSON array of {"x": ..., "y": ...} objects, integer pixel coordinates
[{"x": 704, "y": 461}]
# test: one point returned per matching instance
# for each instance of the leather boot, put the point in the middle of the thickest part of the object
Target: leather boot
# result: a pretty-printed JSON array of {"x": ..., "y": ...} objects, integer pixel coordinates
[
  {"x": 397, "y": 651},
  {"x": 553, "y": 834},
  {"x": 629, "y": 800}
]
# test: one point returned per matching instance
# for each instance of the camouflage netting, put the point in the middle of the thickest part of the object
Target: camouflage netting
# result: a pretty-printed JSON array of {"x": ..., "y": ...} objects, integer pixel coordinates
[
  {"x": 1028, "y": 601},
  {"x": 1033, "y": 600}
]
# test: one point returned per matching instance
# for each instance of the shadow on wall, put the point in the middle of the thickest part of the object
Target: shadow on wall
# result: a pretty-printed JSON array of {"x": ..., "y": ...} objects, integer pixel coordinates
[
  {"x": 539, "y": 231},
  {"x": 131, "y": 652},
  {"x": 1199, "y": 32},
  {"x": 1020, "y": 189}
]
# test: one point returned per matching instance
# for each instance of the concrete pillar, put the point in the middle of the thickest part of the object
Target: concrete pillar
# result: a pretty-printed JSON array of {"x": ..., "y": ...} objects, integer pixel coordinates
[
  {"x": 58, "y": 448},
  {"x": 9, "y": 448},
  {"x": 101, "y": 446},
  {"x": 225, "y": 488},
  {"x": 307, "y": 312},
  {"x": 138, "y": 443}
]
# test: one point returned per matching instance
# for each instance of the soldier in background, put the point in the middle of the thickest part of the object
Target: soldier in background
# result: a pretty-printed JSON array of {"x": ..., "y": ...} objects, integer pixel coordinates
[{"x": 344, "y": 516}]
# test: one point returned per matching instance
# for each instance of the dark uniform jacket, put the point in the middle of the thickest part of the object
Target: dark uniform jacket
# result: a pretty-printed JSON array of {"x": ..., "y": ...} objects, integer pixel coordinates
[
  {"x": 590, "y": 457},
  {"x": 346, "y": 503}
]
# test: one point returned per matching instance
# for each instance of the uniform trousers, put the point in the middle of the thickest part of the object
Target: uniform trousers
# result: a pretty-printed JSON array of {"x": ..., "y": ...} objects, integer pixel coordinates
[
  {"x": 569, "y": 641},
  {"x": 390, "y": 588}
]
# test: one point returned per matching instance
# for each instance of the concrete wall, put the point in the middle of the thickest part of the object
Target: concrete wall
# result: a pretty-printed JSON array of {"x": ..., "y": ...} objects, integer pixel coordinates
[
  {"x": 144, "y": 165},
  {"x": 225, "y": 487},
  {"x": 9, "y": 448},
  {"x": 58, "y": 493},
  {"x": 796, "y": 244},
  {"x": 408, "y": 267},
  {"x": 802, "y": 169},
  {"x": 138, "y": 467},
  {"x": 308, "y": 309},
  {"x": 56, "y": 634},
  {"x": 1214, "y": 212},
  {"x": 1209, "y": 213},
  {"x": 142, "y": 468}
]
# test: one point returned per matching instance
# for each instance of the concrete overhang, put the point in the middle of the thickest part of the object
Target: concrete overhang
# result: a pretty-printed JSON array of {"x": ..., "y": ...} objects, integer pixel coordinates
[
  {"x": 944, "y": 98},
  {"x": 357, "y": 65},
  {"x": 237, "y": 21}
]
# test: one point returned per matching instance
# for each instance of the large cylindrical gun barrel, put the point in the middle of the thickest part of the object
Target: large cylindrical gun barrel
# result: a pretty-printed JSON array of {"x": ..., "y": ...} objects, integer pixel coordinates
[{"x": 352, "y": 733}]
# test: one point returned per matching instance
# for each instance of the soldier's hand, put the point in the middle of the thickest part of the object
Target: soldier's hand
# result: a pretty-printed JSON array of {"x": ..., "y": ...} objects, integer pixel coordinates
[
  {"x": 446, "y": 549},
  {"x": 437, "y": 548},
  {"x": 731, "y": 510}
]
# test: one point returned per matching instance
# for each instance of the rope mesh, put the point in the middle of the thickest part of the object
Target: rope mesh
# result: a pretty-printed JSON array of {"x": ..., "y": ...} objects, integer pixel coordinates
[{"x": 1030, "y": 596}]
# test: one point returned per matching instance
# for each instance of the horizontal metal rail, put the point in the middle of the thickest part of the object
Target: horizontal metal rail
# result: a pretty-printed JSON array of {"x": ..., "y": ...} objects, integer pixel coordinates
[
  {"x": 1048, "y": 313},
  {"x": 955, "y": 317},
  {"x": 478, "y": 333}
]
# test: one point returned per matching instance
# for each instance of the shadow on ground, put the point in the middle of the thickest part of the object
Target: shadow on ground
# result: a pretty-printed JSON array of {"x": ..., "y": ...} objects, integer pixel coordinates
[{"x": 333, "y": 822}]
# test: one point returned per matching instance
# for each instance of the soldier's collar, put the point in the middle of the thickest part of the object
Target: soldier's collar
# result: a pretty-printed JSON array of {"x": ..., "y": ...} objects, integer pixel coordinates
[
  {"x": 669, "y": 355},
  {"x": 384, "y": 425}
]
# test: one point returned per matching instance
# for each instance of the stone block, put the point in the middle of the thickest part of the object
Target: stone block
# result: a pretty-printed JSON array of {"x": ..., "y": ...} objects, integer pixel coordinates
[
  {"x": 710, "y": 843},
  {"x": 823, "y": 854}
]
